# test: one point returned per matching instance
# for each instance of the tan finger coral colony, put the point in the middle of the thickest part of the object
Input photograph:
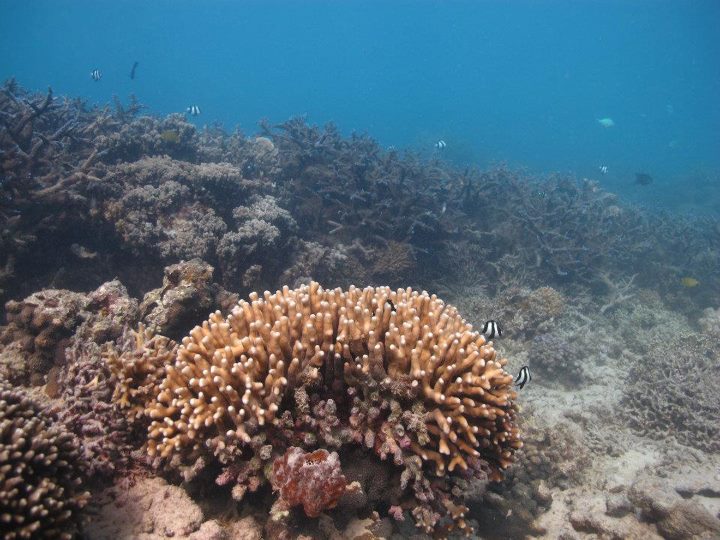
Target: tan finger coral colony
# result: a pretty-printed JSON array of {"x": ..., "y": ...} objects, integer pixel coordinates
[{"x": 235, "y": 376}]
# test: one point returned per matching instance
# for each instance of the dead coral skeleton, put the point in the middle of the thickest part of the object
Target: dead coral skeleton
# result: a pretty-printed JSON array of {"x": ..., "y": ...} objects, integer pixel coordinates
[{"x": 619, "y": 290}]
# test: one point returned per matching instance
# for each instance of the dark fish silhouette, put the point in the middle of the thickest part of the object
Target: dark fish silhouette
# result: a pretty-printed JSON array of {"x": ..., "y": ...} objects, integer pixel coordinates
[
  {"x": 643, "y": 179},
  {"x": 132, "y": 71},
  {"x": 390, "y": 303}
]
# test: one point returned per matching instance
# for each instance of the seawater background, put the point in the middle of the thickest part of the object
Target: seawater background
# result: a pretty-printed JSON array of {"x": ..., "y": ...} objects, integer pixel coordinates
[{"x": 516, "y": 82}]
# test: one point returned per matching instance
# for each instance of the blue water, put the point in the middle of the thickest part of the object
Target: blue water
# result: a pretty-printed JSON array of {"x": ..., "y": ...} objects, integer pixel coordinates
[{"x": 516, "y": 82}]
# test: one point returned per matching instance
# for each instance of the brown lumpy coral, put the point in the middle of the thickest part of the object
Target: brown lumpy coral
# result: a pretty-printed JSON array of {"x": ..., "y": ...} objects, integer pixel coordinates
[
  {"x": 233, "y": 372},
  {"x": 313, "y": 480},
  {"x": 40, "y": 472},
  {"x": 37, "y": 332}
]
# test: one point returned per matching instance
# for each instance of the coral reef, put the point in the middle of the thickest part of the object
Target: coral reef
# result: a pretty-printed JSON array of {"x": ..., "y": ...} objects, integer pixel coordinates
[
  {"x": 265, "y": 234},
  {"x": 315, "y": 262},
  {"x": 312, "y": 367},
  {"x": 150, "y": 509},
  {"x": 675, "y": 397},
  {"x": 555, "y": 359},
  {"x": 710, "y": 321},
  {"x": 551, "y": 457},
  {"x": 37, "y": 333},
  {"x": 40, "y": 328},
  {"x": 586, "y": 287},
  {"x": 187, "y": 294},
  {"x": 139, "y": 370},
  {"x": 41, "y": 472},
  {"x": 113, "y": 184},
  {"x": 85, "y": 388}
]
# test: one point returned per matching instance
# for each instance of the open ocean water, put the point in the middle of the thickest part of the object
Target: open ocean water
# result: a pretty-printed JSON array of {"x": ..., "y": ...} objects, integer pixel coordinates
[
  {"x": 520, "y": 82},
  {"x": 494, "y": 232}
]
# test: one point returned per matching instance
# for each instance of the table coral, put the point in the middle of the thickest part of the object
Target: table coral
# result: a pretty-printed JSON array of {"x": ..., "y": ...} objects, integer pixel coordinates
[{"x": 410, "y": 381}]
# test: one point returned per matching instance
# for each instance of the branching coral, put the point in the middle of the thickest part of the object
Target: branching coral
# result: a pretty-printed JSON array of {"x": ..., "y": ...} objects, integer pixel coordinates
[
  {"x": 265, "y": 234},
  {"x": 140, "y": 370},
  {"x": 669, "y": 392},
  {"x": 410, "y": 381},
  {"x": 40, "y": 472},
  {"x": 86, "y": 389}
]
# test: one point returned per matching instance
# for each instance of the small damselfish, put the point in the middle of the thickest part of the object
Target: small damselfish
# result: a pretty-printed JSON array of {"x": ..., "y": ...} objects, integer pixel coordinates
[
  {"x": 96, "y": 75},
  {"x": 491, "y": 330},
  {"x": 193, "y": 110},
  {"x": 390, "y": 303},
  {"x": 440, "y": 144},
  {"x": 523, "y": 377}
]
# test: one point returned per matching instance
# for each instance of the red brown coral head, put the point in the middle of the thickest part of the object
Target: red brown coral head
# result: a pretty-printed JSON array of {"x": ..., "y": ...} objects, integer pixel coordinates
[{"x": 312, "y": 479}]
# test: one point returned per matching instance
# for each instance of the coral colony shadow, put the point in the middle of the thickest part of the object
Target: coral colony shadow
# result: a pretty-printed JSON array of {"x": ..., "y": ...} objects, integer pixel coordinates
[{"x": 447, "y": 352}]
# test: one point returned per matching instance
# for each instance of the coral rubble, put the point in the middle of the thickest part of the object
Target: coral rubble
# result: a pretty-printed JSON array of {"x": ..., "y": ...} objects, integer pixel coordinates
[{"x": 317, "y": 368}]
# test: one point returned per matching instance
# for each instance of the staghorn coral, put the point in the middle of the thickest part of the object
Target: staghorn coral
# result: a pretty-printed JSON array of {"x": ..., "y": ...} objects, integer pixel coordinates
[
  {"x": 309, "y": 367},
  {"x": 40, "y": 472},
  {"x": 313, "y": 480}
]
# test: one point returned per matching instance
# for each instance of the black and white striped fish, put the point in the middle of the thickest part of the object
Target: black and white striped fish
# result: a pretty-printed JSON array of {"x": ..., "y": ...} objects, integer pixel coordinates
[
  {"x": 193, "y": 110},
  {"x": 440, "y": 144},
  {"x": 523, "y": 377},
  {"x": 491, "y": 330},
  {"x": 603, "y": 169},
  {"x": 96, "y": 75}
]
